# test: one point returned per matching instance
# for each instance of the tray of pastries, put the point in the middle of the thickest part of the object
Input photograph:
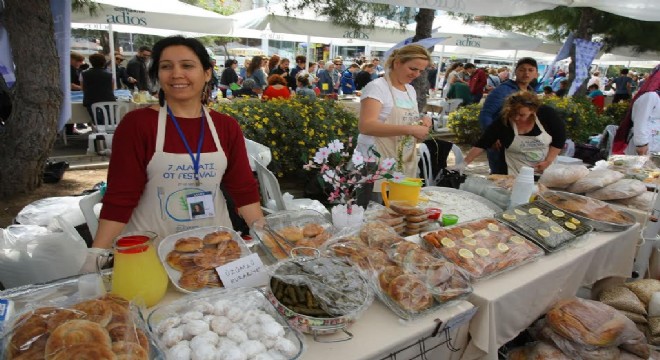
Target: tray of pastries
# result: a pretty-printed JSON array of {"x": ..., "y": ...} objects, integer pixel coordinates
[
  {"x": 98, "y": 328},
  {"x": 405, "y": 277},
  {"x": 598, "y": 214},
  {"x": 283, "y": 231},
  {"x": 483, "y": 247},
  {"x": 224, "y": 324},
  {"x": 190, "y": 257},
  {"x": 547, "y": 227}
]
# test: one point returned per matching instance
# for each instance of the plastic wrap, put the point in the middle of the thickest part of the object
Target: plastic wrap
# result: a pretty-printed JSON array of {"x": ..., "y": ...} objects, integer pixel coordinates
[
  {"x": 226, "y": 324},
  {"x": 549, "y": 228},
  {"x": 377, "y": 212},
  {"x": 280, "y": 232},
  {"x": 561, "y": 176},
  {"x": 594, "y": 324},
  {"x": 600, "y": 215},
  {"x": 572, "y": 349},
  {"x": 466, "y": 205},
  {"x": 190, "y": 257},
  {"x": 379, "y": 235},
  {"x": 622, "y": 189},
  {"x": 106, "y": 327},
  {"x": 641, "y": 202},
  {"x": 622, "y": 298},
  {"x": 483, "y": 247},
  {"x": 644, "y": 289},
  {"x": 596, "y": 179},
  {"x": 537, "y": 351}
]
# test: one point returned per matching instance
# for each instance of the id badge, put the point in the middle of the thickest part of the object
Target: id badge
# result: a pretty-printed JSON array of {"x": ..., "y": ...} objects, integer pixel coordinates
[{"x": 200, "y": 205}]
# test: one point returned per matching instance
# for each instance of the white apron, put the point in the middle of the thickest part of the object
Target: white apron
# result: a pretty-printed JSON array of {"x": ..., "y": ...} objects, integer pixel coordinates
[
  {"x": 163, "y": 208},
  {"x": 393, "y": 146},
  {"x": 526, "y": 150}
]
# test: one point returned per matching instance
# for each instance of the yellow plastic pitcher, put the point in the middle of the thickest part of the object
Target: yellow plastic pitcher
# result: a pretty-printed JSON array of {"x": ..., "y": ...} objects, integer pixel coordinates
[{"x": 406, "y": 191}]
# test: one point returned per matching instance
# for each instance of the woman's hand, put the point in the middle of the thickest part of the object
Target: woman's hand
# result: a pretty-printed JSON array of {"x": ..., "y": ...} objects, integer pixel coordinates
[
  {"x": 426, "y": 121},
  {"x": 642, "y": 150},
  {"x": 542, "y": 166},
  {"x": 420, "y": 132}
]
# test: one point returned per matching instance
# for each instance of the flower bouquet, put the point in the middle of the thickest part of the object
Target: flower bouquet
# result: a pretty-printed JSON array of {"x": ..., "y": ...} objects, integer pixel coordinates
[{"x": 348, "y": 173}]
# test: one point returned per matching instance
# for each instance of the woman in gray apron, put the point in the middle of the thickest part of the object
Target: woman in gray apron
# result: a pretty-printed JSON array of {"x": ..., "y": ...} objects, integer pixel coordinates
[
  {"x": 532, "y": 135},
  {"x": 390, "y": 122},
  {"x": 169, "y": 160}
]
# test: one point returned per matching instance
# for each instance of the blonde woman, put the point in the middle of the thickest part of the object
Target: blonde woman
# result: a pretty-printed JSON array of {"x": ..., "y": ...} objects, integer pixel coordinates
[
  {"x": 389, "y": 116},
  {"x": 532, "y": 134}
]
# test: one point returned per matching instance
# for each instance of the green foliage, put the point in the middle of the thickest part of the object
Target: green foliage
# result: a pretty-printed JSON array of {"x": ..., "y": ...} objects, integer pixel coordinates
[
  {"x": 293, "y": 129},
  {"x": 464, "y": 123},
  {"x": 616, "y": 112},
  {"x": 579, "y": 113}
]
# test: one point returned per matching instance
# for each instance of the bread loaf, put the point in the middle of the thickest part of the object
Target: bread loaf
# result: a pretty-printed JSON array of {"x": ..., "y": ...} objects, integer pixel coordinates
[{"x": 587, "y": 322}]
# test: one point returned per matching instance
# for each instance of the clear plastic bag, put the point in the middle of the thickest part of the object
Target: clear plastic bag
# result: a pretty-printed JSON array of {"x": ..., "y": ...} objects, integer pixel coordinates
[
  {"x": 642, "y": 201},
  {"x": 596, "y": 179},
  {"x": 42, "y": 212},
  {"x": 622, "y": 189},
  {"x": 535, "y": 351},
  {"x": 561, "y": 176},
  {"x": 57, "y": 330}
]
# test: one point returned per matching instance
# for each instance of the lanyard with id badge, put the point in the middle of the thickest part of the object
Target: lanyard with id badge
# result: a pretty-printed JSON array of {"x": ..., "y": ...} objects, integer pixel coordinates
[{"x": 200, "y": 204}]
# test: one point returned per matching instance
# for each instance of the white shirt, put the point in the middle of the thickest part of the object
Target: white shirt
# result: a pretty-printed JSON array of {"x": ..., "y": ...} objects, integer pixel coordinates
[{"x": 646, "y": 122}]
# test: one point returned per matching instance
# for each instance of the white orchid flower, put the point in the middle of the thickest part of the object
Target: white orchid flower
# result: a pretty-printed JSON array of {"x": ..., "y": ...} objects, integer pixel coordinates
[
  {"x": 335, "y": 146},
  {"x": 322, "y": 155},
  {"x": 398, "y": 177},
  {"x": 357, "y": 159},
  {"x": 329, "y": 176},
  {"x": 387, "y": 163}
]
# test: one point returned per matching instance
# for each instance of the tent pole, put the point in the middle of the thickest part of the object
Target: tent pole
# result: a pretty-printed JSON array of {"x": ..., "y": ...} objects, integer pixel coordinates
[
  {"x": 440, "y": 62},
  {"x": 111, "y": 36},
  {"x": 515, "y": 59},
  {"x": 308, "y": 52}
]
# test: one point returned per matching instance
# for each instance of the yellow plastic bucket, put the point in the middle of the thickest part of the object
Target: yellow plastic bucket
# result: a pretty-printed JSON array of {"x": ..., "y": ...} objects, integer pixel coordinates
[{"x": 405, "y": 191}]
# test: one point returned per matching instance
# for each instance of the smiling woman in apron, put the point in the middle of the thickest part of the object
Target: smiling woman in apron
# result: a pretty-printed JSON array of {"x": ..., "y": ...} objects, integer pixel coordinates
[
  {"x": 168, "y": 161},
  {"x": 390, "y": 122},
  {"x": 532, "y": 134}
]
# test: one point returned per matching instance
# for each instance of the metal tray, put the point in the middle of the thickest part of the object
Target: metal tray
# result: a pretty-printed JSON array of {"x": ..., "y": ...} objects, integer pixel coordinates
[{"x": 597, "y": 225}]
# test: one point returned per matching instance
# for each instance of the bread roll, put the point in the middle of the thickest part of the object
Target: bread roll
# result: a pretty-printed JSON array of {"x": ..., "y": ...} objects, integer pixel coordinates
[
  {"x": 77, "y": 332},
  {"x": 587, "y": 322}
]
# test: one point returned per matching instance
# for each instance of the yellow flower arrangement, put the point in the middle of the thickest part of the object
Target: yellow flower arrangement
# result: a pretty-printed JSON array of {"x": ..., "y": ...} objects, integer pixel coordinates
[{"x": 289, "y": 127}]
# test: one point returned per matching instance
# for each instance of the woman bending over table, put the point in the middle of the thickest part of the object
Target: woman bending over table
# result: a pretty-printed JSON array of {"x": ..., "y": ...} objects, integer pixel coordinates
[
  {"x": 174, "y": 155},
  {"x": 532, "y": 134}
]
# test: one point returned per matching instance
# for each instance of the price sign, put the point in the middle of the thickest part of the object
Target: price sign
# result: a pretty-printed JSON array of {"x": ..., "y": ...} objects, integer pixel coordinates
[{"x": 248, "y": 271}]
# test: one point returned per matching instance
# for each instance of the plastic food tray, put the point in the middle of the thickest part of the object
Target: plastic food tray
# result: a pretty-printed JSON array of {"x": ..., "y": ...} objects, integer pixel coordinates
[
  {"x": 272, "y": 237},
  {"x": 483, "y": 248},
  {"x": 561, "y": 227},
  {"x": 585, "y": 208},
  {"x": 167, "y": 245},
  {"x": 245, "y": 299}
]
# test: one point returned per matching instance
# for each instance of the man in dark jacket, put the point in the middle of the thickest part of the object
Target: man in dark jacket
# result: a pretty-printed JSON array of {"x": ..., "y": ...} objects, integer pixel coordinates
[
  {"x": 526, "y": 71},
  {"x": 301, "y": 62},
  {"x": 137, "y": 69}
]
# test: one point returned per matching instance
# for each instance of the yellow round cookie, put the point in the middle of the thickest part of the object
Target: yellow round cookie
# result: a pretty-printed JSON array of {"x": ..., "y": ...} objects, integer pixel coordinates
[
  {"x": 510, "y": 217},
  {"x": 558, "y": 213},
  {"x": 483, "y": 252},
  {"x": 519, "y": 212},
  {"x": 543, "y": 232},
  {"x": 543, "y": 218},
  {"x": 470, "y": 241},
  {"x": 465, "y": 253},
  {"x": 502, "y": 247},
  {"x": 517, "y": 239},
  {"x": 575, "y": 221},
  {"x": 493, "y": 227},
  {"x": 535, "y": 211},
  {"x": 447, "y": 242},
  {"x": 570, "y": 225},
  {"x": 467, "y": 232},
  {"x": 557, "y": 229}
]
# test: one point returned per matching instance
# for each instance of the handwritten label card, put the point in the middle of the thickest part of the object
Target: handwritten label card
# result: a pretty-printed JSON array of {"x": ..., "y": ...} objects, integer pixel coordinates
[{"x": 248, "y": 271}]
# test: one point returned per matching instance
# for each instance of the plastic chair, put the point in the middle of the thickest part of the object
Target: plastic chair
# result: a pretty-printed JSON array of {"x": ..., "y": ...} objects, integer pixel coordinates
[
  {"x": 112, "y": 112},
  {"x": 87, "y": 205},
  {"x": 608, "y": 135},
  {"x": 258, "y": 151},
  {"x": 425, "y": 171}
]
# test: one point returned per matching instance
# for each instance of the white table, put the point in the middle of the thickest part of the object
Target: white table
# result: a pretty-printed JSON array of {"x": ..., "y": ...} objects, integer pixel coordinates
[{"x": 510, "y": 302}]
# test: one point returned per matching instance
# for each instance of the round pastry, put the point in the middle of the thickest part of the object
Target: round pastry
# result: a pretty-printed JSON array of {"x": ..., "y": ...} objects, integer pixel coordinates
[
  {"x": 202, "y": 306},
  {"x": 221, "y": 325},
  {"x": 291, "y": 233},
  {"x": 180, "y": 261},
  {"x": 60, "y": 316},
  {"x": 217, "y": 237},
  {"x": 190, "y": 244},
  {"x": 252, "y": 347},
  {"x": 410, "y": 293},
  {"x": 120, "y": 313},
  {"x": 115, "y": 299},
  {"x": 237, "y": 335},
  {"x": 377, "y": 259},
  {"x": 407, "y": 209},
  {"x": 387, "y": 275},
  {"x": 194, "y": 279},
  {"x": 126, "y": 350},
  {"x": 97, "y": 311},
  {"x": 35, "y": 350},
  {"x": 400, "y": 250},
  {"x": 221, "y": 307},
  {"x": 28, "y": 341},
  {"x": 229, "y": 247},
  {"x": 192, "y": 315},
  {"x": 179, "y": 352},
  {"x": 272, "y": 330},
  {"x": 128, "y": 333},
  {"x": 76, "y": 332},
  {"x": 209, "y": 337},
  {"x": 311, "y": 230},
  {"x": 286, "y": 347},
  {"x": 89, "y": 351},
  {"x": 194, "y": 328},
  {"x": 421, "y": 260},
  {"x": 172, "y": 336},
  {"x": 167, "y": 324},
  {"x": 416, "y": 218}
]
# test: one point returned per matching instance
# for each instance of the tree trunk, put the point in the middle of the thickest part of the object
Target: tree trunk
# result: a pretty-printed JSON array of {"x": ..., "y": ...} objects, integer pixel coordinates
[
  {"x": 584, "y": 31},
  {"x": 423, "y": 30},
  {"x": 36, "y": 97}
]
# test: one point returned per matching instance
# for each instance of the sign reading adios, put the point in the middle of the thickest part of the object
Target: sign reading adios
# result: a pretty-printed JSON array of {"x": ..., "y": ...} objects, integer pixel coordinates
[
  {"x": 126, "y": 16},
  {"x": 469, "y": 40}
]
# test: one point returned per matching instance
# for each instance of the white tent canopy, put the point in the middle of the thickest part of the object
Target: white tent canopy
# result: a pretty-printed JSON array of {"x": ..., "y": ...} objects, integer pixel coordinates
[
  {"x": 156, "y": 17},
  {"x": 646, "y": 10}
]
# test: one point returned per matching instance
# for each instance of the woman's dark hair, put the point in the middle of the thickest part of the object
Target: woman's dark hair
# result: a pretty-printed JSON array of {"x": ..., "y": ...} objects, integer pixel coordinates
[
  {"x": 230, "y": 62},
  {"x": 516, "y": 101},
  {"x": 97, "y": 61},
  {"x": 276, "y": 79},
  {"x": 454, "y": 66},
  {"x": 192, "y": 43},
  {"x": 254, "y": 65},
  {"x": 303, "y": 78}
]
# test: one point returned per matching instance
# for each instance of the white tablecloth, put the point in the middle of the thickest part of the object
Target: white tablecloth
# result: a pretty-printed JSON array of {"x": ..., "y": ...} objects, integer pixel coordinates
[{"x": 510, "y": 302}]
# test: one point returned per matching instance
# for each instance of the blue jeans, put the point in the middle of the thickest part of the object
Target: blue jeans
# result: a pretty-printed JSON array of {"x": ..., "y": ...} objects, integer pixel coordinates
[{"x": 496, "y": 161}]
